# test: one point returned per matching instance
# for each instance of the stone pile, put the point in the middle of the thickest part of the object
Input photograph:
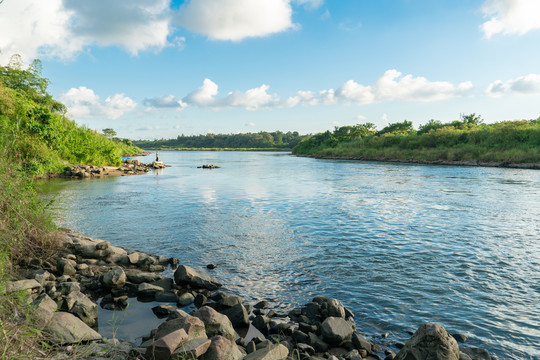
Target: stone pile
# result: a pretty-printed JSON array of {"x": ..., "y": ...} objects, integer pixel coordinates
[
  {"x": 223, "y": 326},
  {"x": 128, "y": 167}
]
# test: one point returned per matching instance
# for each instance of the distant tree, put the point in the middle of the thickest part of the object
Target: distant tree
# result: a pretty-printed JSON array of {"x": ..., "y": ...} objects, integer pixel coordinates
[
  {"x": 109, "y": 132},
  {"x": 401, "y": 128}
]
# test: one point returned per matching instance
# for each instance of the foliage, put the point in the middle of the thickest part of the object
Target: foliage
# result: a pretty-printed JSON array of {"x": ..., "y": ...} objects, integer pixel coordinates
[
  {"x": 37, "y": 130},
  {"x": 109, "y": 133},
  {"x": 262, "y": 140},
  {"x": 468, "y": 139}
]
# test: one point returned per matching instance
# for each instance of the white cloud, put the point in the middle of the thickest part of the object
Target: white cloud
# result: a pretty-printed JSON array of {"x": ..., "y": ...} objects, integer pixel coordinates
[
  {"x": 63, "y": 28},
  {"x": 84, "y": 103},
  {"x": 355, "y": 92},
  {"x": 361, "y": 118},
  {"x": 250, "y": 124},
  {"x": 510, "y": 16},
  {"x": 206, "y": 97},
  {"x": 236, "y": 19},
  {"x": 393, "y": 86},
  {"x": 169, "y": 101},
  {"x": 528, "y": 84}
]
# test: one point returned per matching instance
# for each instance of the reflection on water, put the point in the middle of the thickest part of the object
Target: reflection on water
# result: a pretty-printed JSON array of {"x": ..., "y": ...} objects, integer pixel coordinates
[{"x": 398, "y": 244}]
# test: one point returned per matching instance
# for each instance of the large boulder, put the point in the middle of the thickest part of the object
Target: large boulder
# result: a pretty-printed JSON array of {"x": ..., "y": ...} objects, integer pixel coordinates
[
  {"x": 66, "y": 328},
  {"x": 184, "y": 275},
  {"x": 238, "y": 315},
  {"x": 430, "y": 341},
  {"x": 336, "y": 330},
  {"x": 81, "y": 306},
  {"x": 272, "y": 352},
  {"x": 222, "y": 349},
  {"x": 215, "y": 323},
  {"x": 192, "y": 325},
  {"x": 330, "y": 307},
  {"x": 115, "y": 278},
  {"x": 44, "y": 309},
  {"x": 193, "y": 349},
  {"x": 476, "y": 353},
  {"x": 137, "y": 276},
  {"x": 163, "y": 348}
]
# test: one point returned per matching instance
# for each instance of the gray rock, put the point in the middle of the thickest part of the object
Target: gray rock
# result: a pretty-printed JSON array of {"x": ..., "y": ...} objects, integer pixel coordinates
[
  {"x": 177, "y": 314},
  {"x": 460, "y": 338},
  {"x": 475, "y": 353},
  {"x": 66, "y": 328},
  {"x": 272, "y": 352},
  {"x": 261, "y": 323},
  {"x": 66, "y": 288},
  {"x": 330, "y": 307},
  {"x": 42, "y": 276},
  {"x": 44, "y": 309},
  {"x": 185, "y": 299},
  {"x": 336, "y": 330},
  {"x": 29, "y": 286},
  {"x": 222, "y": 349},
  {"x": 166, "y": 296},
  {"x": 319, "y": 345},
  {"x": 192, "y": 325},
  {"x": 115, "y": 278},
  {"x": 200, "y": 300},
  {"x": 66, "y": 267},
  {"x": 238, "y": 315},
  {"x": 311, "y": 310},
  {"x": 263, "y": 304},
  {"x": 186, "y": 275},
  {"x": 193, "y": 349},
  {"x": 147, "y": 290},
  {"x": 360, "y": 342},
  {"x": 139, "y": 277},
  {"x": 163, "y": 310},
  {"x": 81, "y": 306},
  {"x": 215, "y": 323},
  {"x": 430, "y": 341},
  {"x": 230, "y": 301}
]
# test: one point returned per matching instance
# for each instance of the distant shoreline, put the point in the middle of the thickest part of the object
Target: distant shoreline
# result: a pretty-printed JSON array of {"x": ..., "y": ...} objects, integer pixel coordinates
[
  {"x": 528, "y": 166},
  {"x": 221, "y": 149}
]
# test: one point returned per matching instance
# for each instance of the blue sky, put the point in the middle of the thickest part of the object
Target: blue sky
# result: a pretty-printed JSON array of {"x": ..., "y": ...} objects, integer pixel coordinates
[{"x": 160, "y": 68}]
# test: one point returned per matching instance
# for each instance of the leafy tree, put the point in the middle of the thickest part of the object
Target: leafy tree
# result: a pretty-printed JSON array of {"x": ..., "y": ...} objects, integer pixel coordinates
[{"x": 109, "y": 132}]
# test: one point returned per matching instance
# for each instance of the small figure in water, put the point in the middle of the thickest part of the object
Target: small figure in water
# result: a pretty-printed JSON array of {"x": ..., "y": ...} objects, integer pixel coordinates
[{"x": 157, "y": 156}]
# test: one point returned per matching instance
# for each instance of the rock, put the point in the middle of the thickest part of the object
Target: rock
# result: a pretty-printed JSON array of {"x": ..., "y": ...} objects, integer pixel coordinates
[
  {"x": 330, "y": 307},
  {"x": 186, "y": 275},
  {"x": 162, "y": 311},
  {"x": 81, "y": 306},
  {"x": 193, "y": 349},
  {"x": 230, "y": 301},
  {"x": 104, "y": 245},
  {"x": 360, "y": 342},
  {"x": 30, "y": 286},
  {"x": 115, "y": 278},
  {"x": 222, "y": 349},
  {"x": 44, "y": 309},
  {"x": 192, "y": 325},
  {"x": 336, "y": 330},
  {"x": 42, "y": 276},
  {"x": 319, "y": 345},
  {"x": 185, "y": 299},
  {"x": 166, "y": 296},
  {"x": 475, "y": 353},
  {"x": 200, "y": 300},
  {"x": 148, "y": 290},
  {"x": 460, "y": 338},
  {"x": 211, "y": 266},
  {"x": 139, "y": 277},
  {"x": 163, "y": 348},
  {"x": 311, "y": 310},
  {"x": 66, "y": 288},
  {"x": 463, "y": 356},
  {"x": 65, "y": 328},
  {"x": 430, "y": 341},
  {"x": 238, "y": 315},
  {"x": 272, "y": 352},
  {"x": 261, "y": 323},
  {"x": 306, "y": 349},
  {"x": 215, "y": 323},
  {"x": 177, "y": 314},
  {"x": 263, "y": 304},
  {"x": 66, "y": 267}
]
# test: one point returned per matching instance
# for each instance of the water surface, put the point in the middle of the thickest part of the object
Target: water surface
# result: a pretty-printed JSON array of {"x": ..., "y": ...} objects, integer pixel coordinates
[{"x": 398, "y": 244}]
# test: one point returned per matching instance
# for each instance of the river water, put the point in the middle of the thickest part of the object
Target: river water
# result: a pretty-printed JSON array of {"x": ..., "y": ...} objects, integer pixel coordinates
[{"x": 398, "y": 244}]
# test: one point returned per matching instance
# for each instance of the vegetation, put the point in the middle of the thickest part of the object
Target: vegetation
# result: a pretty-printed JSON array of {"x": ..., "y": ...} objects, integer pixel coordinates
[
  {"x": 466, "y": 140},
  {"x": 251, "y": 141},
  {"x": 35, "y": 138}
]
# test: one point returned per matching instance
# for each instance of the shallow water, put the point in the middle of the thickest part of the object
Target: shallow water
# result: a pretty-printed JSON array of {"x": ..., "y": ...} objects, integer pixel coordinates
[{"x": 398, "y": 244}]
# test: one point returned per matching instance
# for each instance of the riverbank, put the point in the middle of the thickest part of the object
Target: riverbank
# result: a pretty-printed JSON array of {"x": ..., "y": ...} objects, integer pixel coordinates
[
  {"x": 66, "y": 289},
  {"x": 532, "y": 166}
]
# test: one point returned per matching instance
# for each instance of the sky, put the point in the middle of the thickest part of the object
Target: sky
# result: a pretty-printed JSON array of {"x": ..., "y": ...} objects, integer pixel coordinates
[{"x": 154, "y": 69}]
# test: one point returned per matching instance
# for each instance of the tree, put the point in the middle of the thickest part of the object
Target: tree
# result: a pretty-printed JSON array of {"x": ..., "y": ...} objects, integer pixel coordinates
[{"x": 109, "y": 132}]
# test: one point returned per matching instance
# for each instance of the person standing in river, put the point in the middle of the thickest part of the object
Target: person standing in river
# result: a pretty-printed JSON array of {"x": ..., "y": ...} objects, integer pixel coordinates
[{"x": 157, "y": 156}]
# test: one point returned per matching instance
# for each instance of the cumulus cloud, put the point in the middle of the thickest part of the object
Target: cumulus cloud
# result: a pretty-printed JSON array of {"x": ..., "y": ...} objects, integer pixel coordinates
[
  {"x": 528, "y": 84},
  {"x": 311, "y": 4},
  {"x": 84, "y": 103},
  {"x": 510, "y": 16},
  {"x": 63, "y": 28},
  {"x": 236, "y": 19},
  {"x": 169, "y": 101},
  {"x": 252, "y": 99}
]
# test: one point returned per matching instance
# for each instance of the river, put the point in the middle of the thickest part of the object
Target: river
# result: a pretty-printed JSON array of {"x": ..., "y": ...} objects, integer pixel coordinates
[{"x": 398, "y": 244}]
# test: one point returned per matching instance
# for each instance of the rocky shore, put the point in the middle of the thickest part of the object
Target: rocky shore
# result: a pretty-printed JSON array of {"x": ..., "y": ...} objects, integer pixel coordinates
[
  {"x": 65, "y": 293},
  {"x": 128, "y": 167}
]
